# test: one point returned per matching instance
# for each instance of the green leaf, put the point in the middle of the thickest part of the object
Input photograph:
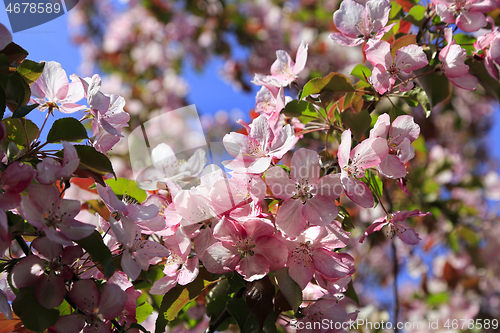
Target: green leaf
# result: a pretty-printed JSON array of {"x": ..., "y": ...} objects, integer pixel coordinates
[
  {"x": 23, "y": 110},
  {"x": 374, "y": 183},
  {"x": 437, "y": 299},
  {"x": 176, "y": 299},
  {"x": 15, "y": 131},
  {"x": 122, "y": 186},
  {"x": 437, "y": 87},
  {"x": 99, "y": 252},
  {"x": 143, "y": 311},
  {"x": 300, "y": 108},
  {"x": 239, "y": 310},
  {"x": 334, "y": 82},
  {"x": 361, "y": 72},
  {"x": 491, "y": 85},
  {"x": 65, "y": 309},
  {"x": 17, "y": 92},
  {"x": 94, "y": 160},
  {"x": 67, "y": 129},
  {"x": 358, "y": 123},
  {"x": 3, "y": 104},
  {"x": 351, "y": 293},
  {"x": 396, "y": 112},
  {"x": 14, "y": 52},
  {"x": 30, "y": 71},
  {"x": 420, "y": 96},
  {"x": 34, "y": 316},
  {"x": 465, "y": 41},
  {"x": 288, "y": 287},
  {"x": 416, "y": 15}
]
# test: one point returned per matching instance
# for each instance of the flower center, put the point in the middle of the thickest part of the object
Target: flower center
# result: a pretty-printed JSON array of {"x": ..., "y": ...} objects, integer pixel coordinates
[{"x": 245, "y": 246}]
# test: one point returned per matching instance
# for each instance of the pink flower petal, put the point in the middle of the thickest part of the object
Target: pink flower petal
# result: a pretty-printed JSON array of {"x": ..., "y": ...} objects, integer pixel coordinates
[
  {"x": 50, "y": 291},
  {"x": 253, "y": 267},
  {"x": 27, "y": 271},
  {"x": 85, "y": 295},
  {"x": 112, "y": 302}
]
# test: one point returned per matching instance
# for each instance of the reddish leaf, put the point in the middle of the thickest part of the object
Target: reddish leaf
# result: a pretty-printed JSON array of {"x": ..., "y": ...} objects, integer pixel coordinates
[{"x": 405, "y": 4}]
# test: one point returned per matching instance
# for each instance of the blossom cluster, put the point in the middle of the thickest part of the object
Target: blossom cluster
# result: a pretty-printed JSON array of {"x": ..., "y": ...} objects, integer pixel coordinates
[{"x": 264, "y": 217}]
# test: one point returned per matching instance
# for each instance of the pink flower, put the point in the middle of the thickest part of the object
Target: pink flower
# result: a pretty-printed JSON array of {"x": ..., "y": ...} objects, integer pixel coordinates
[
  {"x": 254, "y": 152},
  {"x": 358, "y": 23},
  {"x": 312, "y": 251},
  {"x": 52, "y": 89},
  {"x": 404, "y": 232},
  {"x": 167, "y": 167},
  {"x": 399, "y": 135},
  {"x": 51, "y": 170},
  {"x": 13, "y": 181},
  {"x": 453, "y": 57},
  {"x": 269, "y": 102},
  {"x": 50, "y": 288},
  {"x": 490, "y": 43},
  {"x": 5, "y": 36},
  {"x": 326, "y": 311},
  {"x": 387, "y": 69},
  {"x": 137, "y": 252},
  {"x": 249, "y": 247},
  {"x": 109, "y": 118},
  {"x": 353, "y": 164},
  {"x": 96, "y": 308},
  {"x": 45, "y": 210},
  {"x": 467, "y": 14},
  {"x": 284, "y": 70},
  {"x": 143, "y": 215},
  {"x": 178, "y": 268},
  {"x": 307, "y": 197}
]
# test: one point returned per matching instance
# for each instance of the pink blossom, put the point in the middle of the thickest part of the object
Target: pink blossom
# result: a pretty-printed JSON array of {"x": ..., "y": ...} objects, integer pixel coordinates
[
  {"x": 109, "y": 118},
  {"x": 357, "y": 23},
  {"x": 404, "y": 232},
  {"x": 143, "y": 215},
  {"x": 249, "y": 247},
  {"x": 96, "y": 308},
  {"x": 137, "y": 252},
  {"x": 269, "y": 102},
  {"x": 307, "y": 197},
  {"x": 53, "y": 90},
  {"x": 453, "y": 57},
  {"x": 178, "y": 267},
  {"x": 326, "y": 311},
  {"x": 387, "y": 69},
  {"x": 399, "y": 135},
  {"x": 50, "y": 289},
  {"x": 467, "y": 14},
  {"x": 254, "y": 152},
  {"x": 353, "y": 163},
  {"x": 166, "y": 166},
  {"x": 312, "y": 251},
  {"x": 45, "y": 210},
  {"x": 51, "y": 170},
  {"x": 13, "y": 181},
  {"x": 490, "y": 43},
  {"x": 284, "y": 69},
  {"x": 5, "y": 36}
]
